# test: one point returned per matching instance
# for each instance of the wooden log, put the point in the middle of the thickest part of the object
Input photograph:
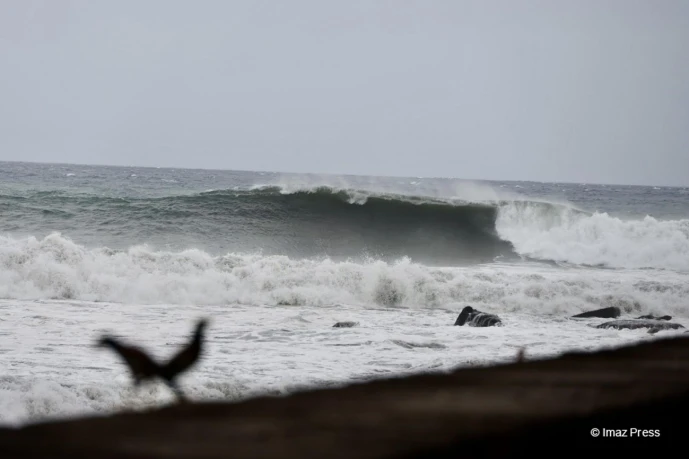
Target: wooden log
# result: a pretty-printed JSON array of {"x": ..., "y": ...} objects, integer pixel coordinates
[{"x": 535, "y": 406}]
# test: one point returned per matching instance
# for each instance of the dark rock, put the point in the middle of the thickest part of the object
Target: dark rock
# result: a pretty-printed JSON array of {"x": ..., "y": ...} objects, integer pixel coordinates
[
  {"x": 654, "y": 325},
  {"x": 652, "y": 317},
  {"x": 475, "y": 318},
  {"x": 345, "y": 324},
  {"x": 605, "y": 313}
]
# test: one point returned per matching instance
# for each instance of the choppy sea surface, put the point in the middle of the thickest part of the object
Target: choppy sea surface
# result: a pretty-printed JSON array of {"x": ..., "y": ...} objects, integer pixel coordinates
[{"x": 274, "y": 260}]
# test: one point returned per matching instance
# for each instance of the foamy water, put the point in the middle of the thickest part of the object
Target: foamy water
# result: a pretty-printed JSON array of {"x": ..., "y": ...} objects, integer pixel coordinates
[
  {"x": 50, "y": 368},
  {"x": 281, "y": 338},
  {"x": 275, "y": 261},
  {"x": 57, "y": 268},
  {"x": 599, "y": 239}
]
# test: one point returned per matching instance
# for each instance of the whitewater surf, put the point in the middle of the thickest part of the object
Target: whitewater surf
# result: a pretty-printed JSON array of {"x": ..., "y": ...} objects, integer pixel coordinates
[{"x": 276, "y": 260}]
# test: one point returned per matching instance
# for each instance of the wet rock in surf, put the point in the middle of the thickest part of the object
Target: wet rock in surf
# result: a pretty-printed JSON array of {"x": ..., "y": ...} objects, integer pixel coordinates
[
  {"x": 345, "y": 324},
  {"x": 652, "y": 317},
  {"x": 605, "y": 313},
  {"x": 474, "y": 318},
  {"x": 633, "y": 324}
]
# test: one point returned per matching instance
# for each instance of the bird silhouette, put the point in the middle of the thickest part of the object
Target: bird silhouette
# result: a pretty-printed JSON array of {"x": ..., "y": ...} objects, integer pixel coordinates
[{"x": 142, "y": 367}]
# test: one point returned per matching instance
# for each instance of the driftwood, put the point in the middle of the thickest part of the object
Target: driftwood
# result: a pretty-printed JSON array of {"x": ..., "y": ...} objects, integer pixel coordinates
[{"x": 546, "y": 406}]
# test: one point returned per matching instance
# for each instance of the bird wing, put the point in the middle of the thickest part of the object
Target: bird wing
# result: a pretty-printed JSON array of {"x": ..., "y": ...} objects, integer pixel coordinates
[
  {"x": 181, "y": 361},
  {"x": 138, "y": 361}
]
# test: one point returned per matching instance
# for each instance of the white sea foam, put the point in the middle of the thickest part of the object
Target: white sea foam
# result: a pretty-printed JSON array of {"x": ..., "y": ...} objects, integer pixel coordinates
[
  {"x": 57, "y": 268},
  {"x": 50, "y": 369},
  {"x": 563, "y": 234}
]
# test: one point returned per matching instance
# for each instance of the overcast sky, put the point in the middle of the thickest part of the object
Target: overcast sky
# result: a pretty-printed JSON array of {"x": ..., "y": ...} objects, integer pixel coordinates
[{"x": 583, "y": 91}]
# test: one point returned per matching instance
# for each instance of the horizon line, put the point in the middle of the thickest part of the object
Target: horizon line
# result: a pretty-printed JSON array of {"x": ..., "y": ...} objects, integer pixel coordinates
[{"x": 340, "y": 175}]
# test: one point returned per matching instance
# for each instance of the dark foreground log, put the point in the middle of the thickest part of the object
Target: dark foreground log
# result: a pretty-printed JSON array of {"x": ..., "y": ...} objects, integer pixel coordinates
[{"x": 547, "y": 406}]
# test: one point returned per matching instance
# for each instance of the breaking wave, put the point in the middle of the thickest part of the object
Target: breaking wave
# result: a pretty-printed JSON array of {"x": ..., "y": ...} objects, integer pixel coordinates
[
  {"x": 57, "y": 268},
  {"x": 345, "y": 223}
]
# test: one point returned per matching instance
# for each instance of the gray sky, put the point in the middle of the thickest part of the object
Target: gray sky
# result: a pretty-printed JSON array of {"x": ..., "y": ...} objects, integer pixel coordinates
[{"x": 583, "y": 91}]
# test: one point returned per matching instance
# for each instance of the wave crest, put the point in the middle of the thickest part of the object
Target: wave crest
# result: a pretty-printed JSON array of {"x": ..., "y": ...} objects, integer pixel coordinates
[{"x": 344, "y": 222}]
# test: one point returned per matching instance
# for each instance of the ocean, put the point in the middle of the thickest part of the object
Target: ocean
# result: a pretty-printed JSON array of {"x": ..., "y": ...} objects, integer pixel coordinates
[{"x": 275, "y": 260}]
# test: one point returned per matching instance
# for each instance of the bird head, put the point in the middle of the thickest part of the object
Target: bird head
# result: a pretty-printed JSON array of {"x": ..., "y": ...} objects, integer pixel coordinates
[
  {"x": 105, "y": 341},
  {"x": 201, "y": 327}
]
